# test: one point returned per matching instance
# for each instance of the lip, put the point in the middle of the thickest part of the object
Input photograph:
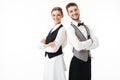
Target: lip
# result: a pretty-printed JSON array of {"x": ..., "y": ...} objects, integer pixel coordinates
[{"x": 75, "y": 16}]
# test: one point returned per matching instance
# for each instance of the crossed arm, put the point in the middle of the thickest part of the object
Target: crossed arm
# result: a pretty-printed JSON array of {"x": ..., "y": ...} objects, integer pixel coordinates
[{"x": 55, "y": 45}]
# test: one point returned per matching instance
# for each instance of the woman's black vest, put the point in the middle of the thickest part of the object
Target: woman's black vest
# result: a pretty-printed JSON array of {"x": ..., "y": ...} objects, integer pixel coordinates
[{"x": 50, "y": 38}]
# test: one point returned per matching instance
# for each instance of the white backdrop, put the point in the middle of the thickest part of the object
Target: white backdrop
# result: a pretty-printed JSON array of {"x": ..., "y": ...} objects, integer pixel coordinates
[{"x": 24, "y": 22}]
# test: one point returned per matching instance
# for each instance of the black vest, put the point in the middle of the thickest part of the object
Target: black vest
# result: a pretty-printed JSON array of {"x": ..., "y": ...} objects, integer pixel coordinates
[{"x": 50, "y": 38}]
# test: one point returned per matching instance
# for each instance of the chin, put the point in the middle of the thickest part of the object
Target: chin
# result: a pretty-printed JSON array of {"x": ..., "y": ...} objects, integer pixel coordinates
[{"x": 75, "y": 19}]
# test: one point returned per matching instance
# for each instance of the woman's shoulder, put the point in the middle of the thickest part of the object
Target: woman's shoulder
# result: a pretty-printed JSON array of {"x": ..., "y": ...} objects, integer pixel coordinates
[{"x": 62, "y": 29}]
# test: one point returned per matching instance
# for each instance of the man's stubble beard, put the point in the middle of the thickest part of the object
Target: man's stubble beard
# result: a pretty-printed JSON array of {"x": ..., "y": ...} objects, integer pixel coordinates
[{"x": 76, "y": 19}]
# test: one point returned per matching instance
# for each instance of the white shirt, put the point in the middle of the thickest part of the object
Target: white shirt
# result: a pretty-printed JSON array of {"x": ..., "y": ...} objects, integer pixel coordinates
[
  {"x": 59, "y": 40},
  {"x": 80, "y": 45}
]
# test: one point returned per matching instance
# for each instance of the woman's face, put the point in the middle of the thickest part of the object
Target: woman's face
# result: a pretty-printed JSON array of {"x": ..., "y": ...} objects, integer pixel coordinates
[{"x": 56, "y": 16}]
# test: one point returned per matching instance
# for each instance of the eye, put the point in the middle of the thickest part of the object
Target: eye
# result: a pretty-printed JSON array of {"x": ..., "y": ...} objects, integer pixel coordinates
[
  {"x": 58, "y": 14},
  {"x": 71, "y": 11},
  {"x": 75, "y": 10},
  {"x": 53, "y": 15}
]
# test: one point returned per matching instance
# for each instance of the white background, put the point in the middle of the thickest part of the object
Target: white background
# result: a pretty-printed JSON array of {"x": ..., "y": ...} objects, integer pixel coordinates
[{"x": 24, "y": 22}]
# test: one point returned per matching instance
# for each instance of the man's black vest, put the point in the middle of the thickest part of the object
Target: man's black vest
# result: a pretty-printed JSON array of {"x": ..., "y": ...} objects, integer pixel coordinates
[{"x": 50, "y": 38}]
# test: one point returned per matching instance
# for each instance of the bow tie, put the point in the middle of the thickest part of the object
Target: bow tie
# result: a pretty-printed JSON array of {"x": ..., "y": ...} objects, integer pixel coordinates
[{"x": 79, "y": 24}]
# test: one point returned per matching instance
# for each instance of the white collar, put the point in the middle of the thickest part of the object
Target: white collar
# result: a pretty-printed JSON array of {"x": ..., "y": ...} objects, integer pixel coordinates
[
  {"x": 75, "y": 22},
  {"x": 55, "y": 27}
]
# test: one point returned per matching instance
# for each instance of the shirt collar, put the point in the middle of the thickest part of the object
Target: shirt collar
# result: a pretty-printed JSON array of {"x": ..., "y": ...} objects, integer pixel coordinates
[
  {"x": 75, "y": 22},
  {"x": 56, "y": 26}
]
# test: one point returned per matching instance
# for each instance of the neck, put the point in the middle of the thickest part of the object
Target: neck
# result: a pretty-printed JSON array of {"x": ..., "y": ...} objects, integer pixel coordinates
[
  {"x": 77, "y": 20},
  {"x": 57, "y": 23}
]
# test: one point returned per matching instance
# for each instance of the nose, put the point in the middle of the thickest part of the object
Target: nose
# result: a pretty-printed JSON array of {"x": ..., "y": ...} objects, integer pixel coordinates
[
  {"x": 56, "y": 17},
  {"x": 74, "y": 12}
]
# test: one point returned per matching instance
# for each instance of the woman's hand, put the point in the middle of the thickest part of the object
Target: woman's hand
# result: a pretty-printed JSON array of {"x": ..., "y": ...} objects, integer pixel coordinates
[
  {"x": 43, "y": 41},
  {"x": 52, "y": 44}
]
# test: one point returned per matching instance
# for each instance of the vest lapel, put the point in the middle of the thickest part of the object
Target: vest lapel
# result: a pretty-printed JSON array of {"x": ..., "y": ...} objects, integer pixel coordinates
[{"x": 78, "y": 33}]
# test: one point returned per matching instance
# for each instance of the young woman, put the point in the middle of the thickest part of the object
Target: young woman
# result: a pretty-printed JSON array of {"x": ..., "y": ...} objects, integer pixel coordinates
[{"x": 52, "y": 45}]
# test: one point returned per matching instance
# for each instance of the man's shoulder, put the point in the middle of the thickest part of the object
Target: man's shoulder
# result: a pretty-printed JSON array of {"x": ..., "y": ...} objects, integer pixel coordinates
[{"x": 68, "y": 27}]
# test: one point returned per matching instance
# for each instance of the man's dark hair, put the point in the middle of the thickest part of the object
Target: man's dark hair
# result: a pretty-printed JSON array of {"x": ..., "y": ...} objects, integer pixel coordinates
[{"x": 70, "y": 4}]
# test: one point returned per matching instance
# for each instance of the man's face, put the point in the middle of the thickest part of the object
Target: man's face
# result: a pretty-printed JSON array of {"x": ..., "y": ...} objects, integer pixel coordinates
[{"x": 74, "y": 13}]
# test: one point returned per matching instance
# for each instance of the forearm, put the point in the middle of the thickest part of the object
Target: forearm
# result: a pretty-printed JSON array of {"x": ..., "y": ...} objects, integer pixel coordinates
[
  {"x": 48, "y": 47},
  {"x": 81, "y": 45},
  {"x": 55, "y": 45},
  {"x": 94, "y": 44}
]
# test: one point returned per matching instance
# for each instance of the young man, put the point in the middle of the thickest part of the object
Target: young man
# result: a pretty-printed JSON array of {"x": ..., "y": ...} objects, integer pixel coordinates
[{"x": 83, "y": 40}]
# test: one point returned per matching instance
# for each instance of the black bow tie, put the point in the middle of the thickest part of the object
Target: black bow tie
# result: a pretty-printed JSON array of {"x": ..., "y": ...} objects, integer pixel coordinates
[{"x": 79, "y": 24}]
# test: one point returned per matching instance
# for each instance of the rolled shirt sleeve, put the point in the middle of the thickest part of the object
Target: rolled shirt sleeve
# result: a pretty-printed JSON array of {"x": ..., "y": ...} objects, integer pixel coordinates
[
  {"x": 78, "y": 45},
  {"x": 94, "y": 39}
]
